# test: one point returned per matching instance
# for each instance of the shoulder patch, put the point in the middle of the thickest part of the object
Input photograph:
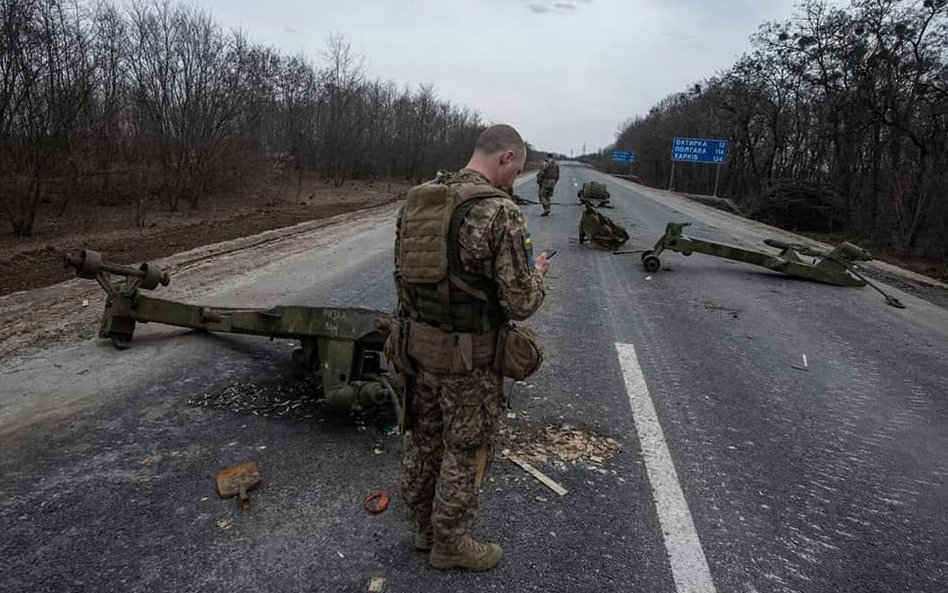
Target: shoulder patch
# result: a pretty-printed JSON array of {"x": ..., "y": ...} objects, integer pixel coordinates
[{"x": 528, "y": 249}]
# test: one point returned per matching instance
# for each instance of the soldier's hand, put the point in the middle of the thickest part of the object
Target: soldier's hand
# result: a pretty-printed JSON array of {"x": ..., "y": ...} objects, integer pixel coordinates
[{"x": 541, "y": 264}]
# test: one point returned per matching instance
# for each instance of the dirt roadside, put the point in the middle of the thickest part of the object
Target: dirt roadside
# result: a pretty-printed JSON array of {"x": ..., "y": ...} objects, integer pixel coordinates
[
  {"x": 44, "y": 304},
  {"x": 34, "y": 262},
  {"x": 68, "y": 312}
]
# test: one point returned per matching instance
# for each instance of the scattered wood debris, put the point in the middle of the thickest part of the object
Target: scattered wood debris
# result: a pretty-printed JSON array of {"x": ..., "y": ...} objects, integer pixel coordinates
[{"x": 564, "y": 443}]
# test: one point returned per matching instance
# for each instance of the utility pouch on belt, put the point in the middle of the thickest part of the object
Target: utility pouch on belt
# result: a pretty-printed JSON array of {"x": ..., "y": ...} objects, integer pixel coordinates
[
  {"x": 519, "y": 353},
  {"x": 396, "y": 346},
  {"x": 443, "y": 352}
]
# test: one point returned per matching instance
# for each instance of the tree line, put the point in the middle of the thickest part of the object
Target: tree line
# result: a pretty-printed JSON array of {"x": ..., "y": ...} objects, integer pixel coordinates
[
  {"x": 155, "y": 103},
  {"x": 840, "y": 112}
]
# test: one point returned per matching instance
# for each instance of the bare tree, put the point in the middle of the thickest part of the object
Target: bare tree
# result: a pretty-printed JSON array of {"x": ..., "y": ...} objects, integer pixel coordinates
[
  {"x": 47, "y": 79},
  {"x": 850, "y": 100}
]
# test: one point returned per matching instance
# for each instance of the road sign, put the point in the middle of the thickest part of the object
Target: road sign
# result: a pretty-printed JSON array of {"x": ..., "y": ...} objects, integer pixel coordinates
[
  {"x": 623, "y": 155},
  {"x": 699, "y": 150}
]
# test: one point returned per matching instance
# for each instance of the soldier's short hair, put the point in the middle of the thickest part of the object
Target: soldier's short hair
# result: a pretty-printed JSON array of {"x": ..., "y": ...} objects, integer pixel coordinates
[{"x": 497, "y": 138}]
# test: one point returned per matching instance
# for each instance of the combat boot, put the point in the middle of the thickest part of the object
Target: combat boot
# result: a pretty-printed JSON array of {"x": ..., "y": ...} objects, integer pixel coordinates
[
  {"x": 423, "y": 535},
  {"x": 465, "y": 553}
]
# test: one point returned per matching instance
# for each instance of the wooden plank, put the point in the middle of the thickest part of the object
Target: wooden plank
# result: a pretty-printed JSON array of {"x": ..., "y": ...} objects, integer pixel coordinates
[{"x": 540, "y": 476}]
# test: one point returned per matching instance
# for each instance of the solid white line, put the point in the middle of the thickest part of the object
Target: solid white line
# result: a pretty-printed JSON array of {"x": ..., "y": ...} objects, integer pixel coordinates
[{"x": 688, "y": 563}]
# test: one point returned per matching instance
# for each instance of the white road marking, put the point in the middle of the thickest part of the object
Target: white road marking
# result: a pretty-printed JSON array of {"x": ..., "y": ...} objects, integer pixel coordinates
[{"x": 688, "y": 563}]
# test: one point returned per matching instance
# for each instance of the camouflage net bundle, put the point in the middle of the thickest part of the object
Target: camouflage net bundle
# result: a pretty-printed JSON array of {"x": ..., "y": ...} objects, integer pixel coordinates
[{"x": 594, "y": 191}]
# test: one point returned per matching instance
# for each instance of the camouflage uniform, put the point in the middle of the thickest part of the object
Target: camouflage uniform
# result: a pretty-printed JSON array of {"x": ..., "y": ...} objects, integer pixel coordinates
[
  {"x": 454, "y": 416},
  {"x": 546, "y": 179}
]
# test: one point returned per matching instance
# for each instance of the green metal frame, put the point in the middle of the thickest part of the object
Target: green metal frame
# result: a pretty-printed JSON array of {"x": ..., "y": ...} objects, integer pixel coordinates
[
  {"x": 829, "y": 268},
  {"x": 341, "y": 346}
]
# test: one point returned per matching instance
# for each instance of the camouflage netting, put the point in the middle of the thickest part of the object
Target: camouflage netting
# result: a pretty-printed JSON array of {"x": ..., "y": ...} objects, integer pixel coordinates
[
  {"x": 593, "y": 190},
  {"x": 802, "y": 206}
]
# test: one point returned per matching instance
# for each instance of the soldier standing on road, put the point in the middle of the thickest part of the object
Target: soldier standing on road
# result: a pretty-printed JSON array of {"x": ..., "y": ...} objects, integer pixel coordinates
[
  {"x": 463, "y": 268},
  {"x": 547, "y": 177}
]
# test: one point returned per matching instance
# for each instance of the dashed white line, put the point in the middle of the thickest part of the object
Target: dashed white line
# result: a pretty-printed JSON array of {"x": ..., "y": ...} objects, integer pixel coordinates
[{"x": 688, "y": 563}]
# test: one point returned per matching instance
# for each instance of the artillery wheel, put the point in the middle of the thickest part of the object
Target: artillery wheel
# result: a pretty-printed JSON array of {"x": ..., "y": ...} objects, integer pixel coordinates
[
  {"x": 652, "y": 263},
  {"x": 645, "y": 253},
  {"x": 88, "y": 264},
  {"x": 152, "y": 276}
]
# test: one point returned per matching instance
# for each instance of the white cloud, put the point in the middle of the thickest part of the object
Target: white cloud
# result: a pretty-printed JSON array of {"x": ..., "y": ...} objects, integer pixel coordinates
[{"x": 564, "y": 72}]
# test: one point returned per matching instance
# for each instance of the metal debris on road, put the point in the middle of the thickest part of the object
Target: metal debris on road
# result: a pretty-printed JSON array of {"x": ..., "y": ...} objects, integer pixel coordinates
[
  {"x": 376, "y": 584},
  {"x": 286, "y": 400},
  {"x": 237, "y": 480},
  {"x": 376, "y": 501}
]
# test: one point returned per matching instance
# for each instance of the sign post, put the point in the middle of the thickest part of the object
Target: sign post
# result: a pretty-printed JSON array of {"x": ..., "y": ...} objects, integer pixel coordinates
[
  {"x": 624, "y": 155},
  {"x": 699, "y": 150}
]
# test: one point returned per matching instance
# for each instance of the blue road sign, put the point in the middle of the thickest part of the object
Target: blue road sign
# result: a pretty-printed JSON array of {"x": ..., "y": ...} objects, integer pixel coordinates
[
  {"x": 623, "y": 155},
  {"x": 699, "y": 150}
]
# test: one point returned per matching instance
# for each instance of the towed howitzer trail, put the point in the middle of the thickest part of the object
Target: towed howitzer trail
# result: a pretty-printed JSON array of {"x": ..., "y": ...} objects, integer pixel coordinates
[
  {"x": 836, "y": 267},
  {"x": 341, "y": 346}
]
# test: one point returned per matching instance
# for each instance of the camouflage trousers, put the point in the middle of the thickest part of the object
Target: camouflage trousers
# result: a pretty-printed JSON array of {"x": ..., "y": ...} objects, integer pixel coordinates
[
  {"x": 545, "y": 193},
  {"x": 453, "y": 418}
]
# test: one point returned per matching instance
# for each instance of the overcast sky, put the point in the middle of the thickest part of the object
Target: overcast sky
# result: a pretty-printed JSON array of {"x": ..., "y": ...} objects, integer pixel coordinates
[{"x": 564, "y": 72}]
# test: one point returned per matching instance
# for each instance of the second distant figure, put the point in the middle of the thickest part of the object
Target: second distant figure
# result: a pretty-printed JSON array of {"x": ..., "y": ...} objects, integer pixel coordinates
[{"x": 547, "y": 176}]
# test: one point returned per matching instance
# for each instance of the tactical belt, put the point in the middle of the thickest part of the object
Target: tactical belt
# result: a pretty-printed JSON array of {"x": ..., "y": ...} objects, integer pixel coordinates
[{"x": 442, "y": 352}]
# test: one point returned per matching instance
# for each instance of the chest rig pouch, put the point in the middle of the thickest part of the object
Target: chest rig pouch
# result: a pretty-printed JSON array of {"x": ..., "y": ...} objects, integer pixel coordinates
[{"x": 452, "y": 316}]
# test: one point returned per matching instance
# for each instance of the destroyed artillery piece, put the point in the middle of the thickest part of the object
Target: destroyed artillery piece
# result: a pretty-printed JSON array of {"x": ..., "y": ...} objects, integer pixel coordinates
[
  {"x": 835, "y": 267},
  {"x": 340, "y": 346}
]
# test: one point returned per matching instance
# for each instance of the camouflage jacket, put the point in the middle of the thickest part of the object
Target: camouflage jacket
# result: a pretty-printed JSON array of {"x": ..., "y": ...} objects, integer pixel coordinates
[
  {"x": 548, "y": 174},
  {"x": 494, "y": 243}
]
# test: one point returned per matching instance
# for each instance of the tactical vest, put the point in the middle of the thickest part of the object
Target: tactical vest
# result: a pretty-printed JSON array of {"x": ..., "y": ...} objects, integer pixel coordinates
[
  {"x": 553, "y": 171},
  {"x": 432, "y": 286}
]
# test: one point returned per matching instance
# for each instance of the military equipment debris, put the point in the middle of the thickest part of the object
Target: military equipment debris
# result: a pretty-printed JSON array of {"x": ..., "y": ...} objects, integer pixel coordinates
[
  {"x": 836, "y": 267},
  {"x": 237, "y": 480},
  {"x": 376, "y": 501},
  {"x": 341, "y": 346}
]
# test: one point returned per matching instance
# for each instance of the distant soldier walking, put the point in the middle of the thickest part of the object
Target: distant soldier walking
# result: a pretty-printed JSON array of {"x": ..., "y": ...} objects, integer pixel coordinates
[
  {"x": 464, "y": 268},
  {"x": 547, "y": 177}
]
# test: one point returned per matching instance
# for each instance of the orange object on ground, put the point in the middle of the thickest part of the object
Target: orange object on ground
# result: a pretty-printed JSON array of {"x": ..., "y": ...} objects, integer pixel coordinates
[{"x": 376, "y": 501}]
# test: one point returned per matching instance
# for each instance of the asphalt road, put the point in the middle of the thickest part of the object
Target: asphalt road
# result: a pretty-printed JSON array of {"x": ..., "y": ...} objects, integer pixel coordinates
[{"x": 773, "y": 434}]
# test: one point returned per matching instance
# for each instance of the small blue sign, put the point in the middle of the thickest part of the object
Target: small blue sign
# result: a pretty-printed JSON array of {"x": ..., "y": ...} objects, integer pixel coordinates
[
  {"x": 623, "y": 155},
  {"x": 699, "y": 150}
]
